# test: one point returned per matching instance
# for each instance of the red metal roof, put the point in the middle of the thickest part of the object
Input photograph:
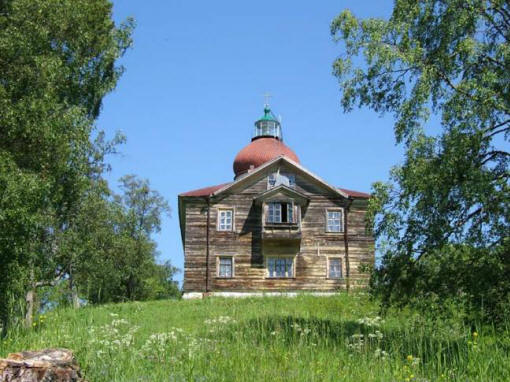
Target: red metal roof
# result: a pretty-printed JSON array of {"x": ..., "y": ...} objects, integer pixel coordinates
[
  {"x": 212, "y": 189},
  {"x": 260, "y": 151},
  {"x": 204, "y": 191},
  {"x": 355, "y": 194}
]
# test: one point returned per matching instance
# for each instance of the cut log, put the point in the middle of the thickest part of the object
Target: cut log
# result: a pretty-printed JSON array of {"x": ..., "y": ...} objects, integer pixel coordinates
[{"x": 50, "y": 365}]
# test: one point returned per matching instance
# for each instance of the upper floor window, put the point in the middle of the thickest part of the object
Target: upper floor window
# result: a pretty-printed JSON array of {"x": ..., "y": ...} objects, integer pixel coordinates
[
  {"x": 225, "y": 219},
  {"x": 278, "y": 212},
  {"x": 334, "y": 220},
  {"x": 280, "y": 267},
  {"x": 335, "y": 268},
  {"x": 275, "y": 179}
]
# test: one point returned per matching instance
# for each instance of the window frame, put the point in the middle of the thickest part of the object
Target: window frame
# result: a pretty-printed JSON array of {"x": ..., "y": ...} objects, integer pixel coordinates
[
  {"x": 232, "y": 265},
  {"x": 289, "y": 205},
  {"x": 288, "y": 175},
  {"x": 328, "y": 269},
  {"x": 293, "y": 268},
  {"x": 218, "y": 219},
  {"x": 342, "y": 219},
  {"x": 269, "y": 205}
]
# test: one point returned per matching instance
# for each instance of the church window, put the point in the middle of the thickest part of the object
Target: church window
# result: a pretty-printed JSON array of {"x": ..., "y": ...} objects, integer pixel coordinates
[
  {"x": 276, "y": 179},
  {"x": 226, "y": 266},
  {"x": 280, "y": 212},
  {"x": 280, "y": 267},
  {"x": 334, "y": 220},
  {"x": 335, "y": 268},
  {"x": 225, "y": 219}
]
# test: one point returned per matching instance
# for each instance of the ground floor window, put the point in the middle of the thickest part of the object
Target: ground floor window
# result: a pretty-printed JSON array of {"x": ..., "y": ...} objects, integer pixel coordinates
[
  {"x": 280, "y": 266},
  {"x": 335, "y": 268},
  {"x": 226, "y": 266}
]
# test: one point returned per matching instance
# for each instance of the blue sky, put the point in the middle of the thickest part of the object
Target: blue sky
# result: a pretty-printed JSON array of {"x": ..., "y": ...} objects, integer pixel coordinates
[{"x": 194, "y": 85}]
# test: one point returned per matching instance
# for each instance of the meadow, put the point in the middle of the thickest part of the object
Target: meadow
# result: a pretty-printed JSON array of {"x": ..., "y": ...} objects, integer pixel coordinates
[{"x": 339, "y": 338}]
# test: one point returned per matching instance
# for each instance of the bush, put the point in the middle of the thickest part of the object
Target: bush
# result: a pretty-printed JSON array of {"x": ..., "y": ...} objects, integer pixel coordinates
[{"x": 458, "y": 279}]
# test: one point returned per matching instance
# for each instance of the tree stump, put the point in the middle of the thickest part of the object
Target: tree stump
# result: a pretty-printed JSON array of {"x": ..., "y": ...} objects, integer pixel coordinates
[{"x": 50, "y": 365}]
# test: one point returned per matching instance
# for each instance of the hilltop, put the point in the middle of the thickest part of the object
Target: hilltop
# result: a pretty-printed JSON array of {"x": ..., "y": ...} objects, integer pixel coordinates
[{"x": 307, "y": 338}]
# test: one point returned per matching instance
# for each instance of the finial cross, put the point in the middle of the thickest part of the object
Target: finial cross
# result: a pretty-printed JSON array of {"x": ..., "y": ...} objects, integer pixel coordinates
[{"x": 267, "y": 96}]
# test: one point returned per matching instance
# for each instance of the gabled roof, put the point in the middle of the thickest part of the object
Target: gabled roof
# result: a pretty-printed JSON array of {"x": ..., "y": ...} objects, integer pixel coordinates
[
  {"x": 355, "y": 194},
  {"x": 221, "y": 188},
  {"x": 212, "y": 190},
  {"x": 246, "y": 179},
  {"x": 206, "y": 191}
]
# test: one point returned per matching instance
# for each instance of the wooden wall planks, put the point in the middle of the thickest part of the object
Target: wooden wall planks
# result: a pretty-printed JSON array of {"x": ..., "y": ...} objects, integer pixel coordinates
[{"x": 245, "y": 244}]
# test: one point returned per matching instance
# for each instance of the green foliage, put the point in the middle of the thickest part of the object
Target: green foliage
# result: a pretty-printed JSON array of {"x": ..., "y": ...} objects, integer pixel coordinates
[
  {"x": 142, "y": 209},
  {"x": 20, "y": 197},
  {"x": 306, "y": 338},
  {"x": 58, "y": 219},
  {"x": 160, "y": 283},
  {"x": 116, "y": 255},
  {"x": 448, "y": 59}
]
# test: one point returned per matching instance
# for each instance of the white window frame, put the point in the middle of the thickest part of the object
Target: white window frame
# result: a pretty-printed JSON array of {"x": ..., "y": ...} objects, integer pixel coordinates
[
  {"x": 291, "y": 212},
  {"x": 286, "y": 258},
  {"x": 218, "y": 266},
  {"x": 342, "y": 219},
  {"x": 271, "y": 180},
  {"x": 218, "y": 223},
  {"x": 328, "y": 270},
  {"x": 275, "y": 211}
]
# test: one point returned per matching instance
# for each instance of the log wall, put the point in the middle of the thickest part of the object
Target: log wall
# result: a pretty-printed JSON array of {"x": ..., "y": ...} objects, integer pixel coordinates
[{"x": 249, "y": 251}]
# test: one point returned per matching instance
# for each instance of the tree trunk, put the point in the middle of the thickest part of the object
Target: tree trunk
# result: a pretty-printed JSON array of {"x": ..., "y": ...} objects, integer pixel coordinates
[
  {"x": 74, "y": 292},
  {"x": 4, "y": 302},
  {"x": 29, "y": 314},
  {"x": 50, "y": 365},
  {"x": 130, "y": 287},
  {"x": 75, "y": 299},
  {"x": 4, "y": 319}
]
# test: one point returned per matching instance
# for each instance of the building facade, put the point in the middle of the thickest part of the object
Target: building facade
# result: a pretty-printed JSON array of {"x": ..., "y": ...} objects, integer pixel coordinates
[{"x": 276, "y": 228}]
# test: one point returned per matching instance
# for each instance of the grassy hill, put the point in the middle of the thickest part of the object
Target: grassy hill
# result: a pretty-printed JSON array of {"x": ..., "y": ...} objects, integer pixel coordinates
[{"x": 306, "y": 338}]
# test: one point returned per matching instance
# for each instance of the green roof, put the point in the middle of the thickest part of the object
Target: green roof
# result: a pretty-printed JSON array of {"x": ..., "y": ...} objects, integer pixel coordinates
[{"x": 268, "y": 115}]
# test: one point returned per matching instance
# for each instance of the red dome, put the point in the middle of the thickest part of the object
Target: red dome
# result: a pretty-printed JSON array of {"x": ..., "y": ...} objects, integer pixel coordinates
[{"x": 260, "y": 151}]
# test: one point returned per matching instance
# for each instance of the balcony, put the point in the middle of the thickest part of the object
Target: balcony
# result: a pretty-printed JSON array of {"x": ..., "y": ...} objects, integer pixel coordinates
[
  {"x": 281, "y": 214},
  {"x": 281, "y": 232}
]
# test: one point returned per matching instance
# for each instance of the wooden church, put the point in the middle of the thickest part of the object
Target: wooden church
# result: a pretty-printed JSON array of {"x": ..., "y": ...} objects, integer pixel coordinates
[{"x": 276, "y": 228}]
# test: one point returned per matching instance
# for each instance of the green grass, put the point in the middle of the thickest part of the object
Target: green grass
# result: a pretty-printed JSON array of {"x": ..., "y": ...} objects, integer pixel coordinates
[{"x": 268, "y": 339}]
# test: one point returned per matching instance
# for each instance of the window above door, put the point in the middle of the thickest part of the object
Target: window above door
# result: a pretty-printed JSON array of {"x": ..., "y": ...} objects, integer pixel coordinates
[{"x": 281, "y": 212}]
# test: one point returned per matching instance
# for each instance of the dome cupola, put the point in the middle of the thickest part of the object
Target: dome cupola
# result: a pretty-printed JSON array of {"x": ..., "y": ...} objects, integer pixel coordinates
[
  {"x": 268, "y": 126},
  {"x": 266, "y": 145}
]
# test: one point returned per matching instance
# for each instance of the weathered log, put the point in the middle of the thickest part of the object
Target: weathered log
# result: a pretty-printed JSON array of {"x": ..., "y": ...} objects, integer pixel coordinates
[
  {"x": 251, "y": 242},
  {"x": 50, "y": 365}
]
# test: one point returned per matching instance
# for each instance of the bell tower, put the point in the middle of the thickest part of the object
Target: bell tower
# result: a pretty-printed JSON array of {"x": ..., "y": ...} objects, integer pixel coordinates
[{"x": 268, "y": 125}]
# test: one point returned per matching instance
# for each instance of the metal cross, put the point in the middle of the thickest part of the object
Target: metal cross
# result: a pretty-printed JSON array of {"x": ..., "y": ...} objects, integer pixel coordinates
[{"x": 266, "y": 97}]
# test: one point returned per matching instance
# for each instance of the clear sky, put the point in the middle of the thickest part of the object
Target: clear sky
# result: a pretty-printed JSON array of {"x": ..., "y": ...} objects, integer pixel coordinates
[{"x": 194, "y": 85}]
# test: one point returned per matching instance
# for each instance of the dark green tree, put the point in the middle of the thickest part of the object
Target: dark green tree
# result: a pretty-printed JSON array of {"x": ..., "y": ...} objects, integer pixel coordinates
[
  {"x": 160, "y": 283},
  {"x": 142, "y": 209},
  {"x": 57, "y": 62},
  {"x": 115, "y": 258},
  {"x": 442, "y": 68}
]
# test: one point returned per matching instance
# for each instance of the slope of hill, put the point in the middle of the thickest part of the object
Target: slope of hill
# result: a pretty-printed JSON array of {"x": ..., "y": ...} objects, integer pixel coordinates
[{"x": 307, "y": 338}]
